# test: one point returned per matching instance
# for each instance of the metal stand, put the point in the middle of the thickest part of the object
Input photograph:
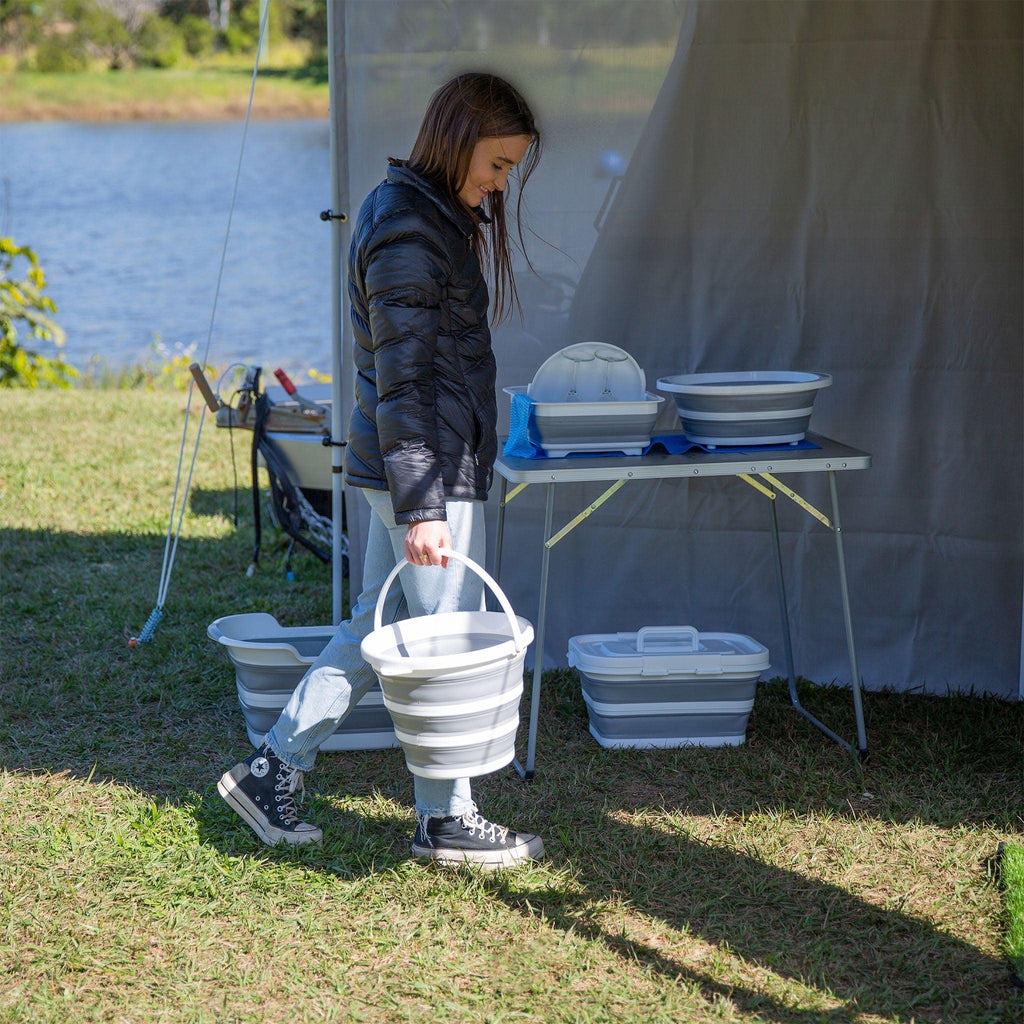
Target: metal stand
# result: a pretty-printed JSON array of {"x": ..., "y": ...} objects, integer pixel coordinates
[{"x": 787, "y": 639}]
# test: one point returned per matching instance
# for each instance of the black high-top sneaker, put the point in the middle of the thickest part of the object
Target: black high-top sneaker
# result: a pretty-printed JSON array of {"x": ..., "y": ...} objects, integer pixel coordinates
[
  {"x": 262, "y": 790},
  {"x": 471, "y": 839}
]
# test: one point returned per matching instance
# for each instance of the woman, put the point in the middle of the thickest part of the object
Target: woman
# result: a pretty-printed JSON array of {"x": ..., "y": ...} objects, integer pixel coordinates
[{"x": 422, "y": 440}]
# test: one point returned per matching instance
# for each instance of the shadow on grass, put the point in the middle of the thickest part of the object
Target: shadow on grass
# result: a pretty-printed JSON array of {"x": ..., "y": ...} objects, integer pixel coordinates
[
  {"x": 230, "y": 504},
  {"x": 854, "y": 957},
  {"x": 861, "y": 958},
  {"x": 163, "y": 719}
]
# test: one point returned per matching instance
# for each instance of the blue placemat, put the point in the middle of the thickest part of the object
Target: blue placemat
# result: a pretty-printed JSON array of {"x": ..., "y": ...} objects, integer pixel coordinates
[{"x": 520, "y": 445}]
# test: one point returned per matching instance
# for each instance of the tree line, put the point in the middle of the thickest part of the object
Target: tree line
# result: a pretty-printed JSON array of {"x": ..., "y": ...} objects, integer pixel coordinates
[
  {"x": 75, "y": 35},
  {"x": 71, "y": 35}
]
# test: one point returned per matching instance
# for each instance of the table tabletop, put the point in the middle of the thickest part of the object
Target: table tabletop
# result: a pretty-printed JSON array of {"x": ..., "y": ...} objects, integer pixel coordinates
[{"x": 828, "y": 456}]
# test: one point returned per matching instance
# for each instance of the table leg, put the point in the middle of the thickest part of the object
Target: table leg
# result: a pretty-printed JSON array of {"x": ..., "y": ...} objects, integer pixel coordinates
[
  {"x": 787, "y": 636},
  {"x": 538, "y": 649},
  {"x": 862, "y": 742},
  {"x": 500, "y": 533}
]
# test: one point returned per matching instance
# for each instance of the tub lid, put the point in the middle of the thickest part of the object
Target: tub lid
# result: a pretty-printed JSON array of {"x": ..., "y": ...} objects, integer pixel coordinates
[{"x": 667, "y": 650}]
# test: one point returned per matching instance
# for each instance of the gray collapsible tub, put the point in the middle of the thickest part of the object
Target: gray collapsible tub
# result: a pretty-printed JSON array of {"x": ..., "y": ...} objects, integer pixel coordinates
[
  {"x": 368, "y": 726},
  {"x": 668, "y": 686},
  {"x": 745, "y": 407},
  {"x": 593, "y": 426},
  {"x": 269, "y": 661}
]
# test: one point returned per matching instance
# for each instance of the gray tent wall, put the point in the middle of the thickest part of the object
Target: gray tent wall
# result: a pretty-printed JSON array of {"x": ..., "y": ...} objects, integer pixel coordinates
[{"x": 820, "y": 186}]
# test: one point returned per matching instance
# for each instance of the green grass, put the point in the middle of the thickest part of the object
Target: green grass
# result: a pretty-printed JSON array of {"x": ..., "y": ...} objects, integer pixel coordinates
[
  {"x": 1012, "y": 871},
  {"x": 151, "y": 94},
  {"x": 779, "y": 881},
  {"x": 612, "y": 82}
]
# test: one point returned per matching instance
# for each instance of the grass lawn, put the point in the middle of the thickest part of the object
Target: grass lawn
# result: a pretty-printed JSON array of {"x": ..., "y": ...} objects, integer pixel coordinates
[
  {"x": 151, "y": 94},
  {"x": 1012, "y": 872},
  {"x": 606, "y": 81},
  {"x": 775, "y": 882}
]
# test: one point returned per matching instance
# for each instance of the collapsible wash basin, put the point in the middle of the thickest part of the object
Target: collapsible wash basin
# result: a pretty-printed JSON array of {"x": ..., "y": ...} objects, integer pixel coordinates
[
  {"x": 668, "y": 686},
  {"x": 745, "y": 407},
  {"x": 595, "y": 426},
  {"x": 452, "y": 682},
  {"x": 269, "y": 661}
]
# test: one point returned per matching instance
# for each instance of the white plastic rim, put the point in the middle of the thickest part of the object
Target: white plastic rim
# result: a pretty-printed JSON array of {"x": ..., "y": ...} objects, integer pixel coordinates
[
  {"x": 717, "y": 441},
  {"x": 380, "y": 648},
  {"x": 260, "y": 700},
  {"x": 353, "y": 739},
  {"x": 224, "y": 630},
  {"x": 453, "y": 741},
  {"x": 465, "y": 708},
  {"x": 744, "y": 382},
  {"x": 700, "y": 416},
  {"x": 666, "y": 742},
  {"x": 484, "y": 768},
  {"x": 665, "y": 708},
  {"x": 567, "y": 410},
  {"x": 392, "y": 663}
]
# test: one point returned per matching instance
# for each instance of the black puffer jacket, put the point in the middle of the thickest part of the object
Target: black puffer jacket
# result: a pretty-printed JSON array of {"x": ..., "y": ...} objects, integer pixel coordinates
[{"x": 424, "y": 422}]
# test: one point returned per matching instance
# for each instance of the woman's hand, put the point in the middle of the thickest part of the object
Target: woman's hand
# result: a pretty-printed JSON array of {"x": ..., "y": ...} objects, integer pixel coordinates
[{"x": 425, "y": 542}]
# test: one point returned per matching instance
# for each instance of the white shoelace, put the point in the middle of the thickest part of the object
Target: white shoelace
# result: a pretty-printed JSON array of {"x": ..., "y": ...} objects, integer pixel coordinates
[
  {"x": 288, "y": 780},
  {"x": 474, "y": 821}
]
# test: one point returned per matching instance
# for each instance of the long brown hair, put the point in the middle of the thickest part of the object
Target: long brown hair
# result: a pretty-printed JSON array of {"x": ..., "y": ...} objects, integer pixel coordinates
[{"x": 468, "y": 108}]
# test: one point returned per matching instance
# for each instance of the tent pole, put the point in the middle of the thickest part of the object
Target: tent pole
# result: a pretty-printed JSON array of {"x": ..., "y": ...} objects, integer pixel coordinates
[
  {"x": 338, "y": 127},
  {"x": 1020, "y": 673}
]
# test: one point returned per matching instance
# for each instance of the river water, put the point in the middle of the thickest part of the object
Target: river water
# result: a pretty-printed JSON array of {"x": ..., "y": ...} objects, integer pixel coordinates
[{"x": 129, "y": 223}]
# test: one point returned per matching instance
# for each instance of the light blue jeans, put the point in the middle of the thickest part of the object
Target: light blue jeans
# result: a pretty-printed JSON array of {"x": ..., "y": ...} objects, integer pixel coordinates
[{"x": 335, "y": 682}]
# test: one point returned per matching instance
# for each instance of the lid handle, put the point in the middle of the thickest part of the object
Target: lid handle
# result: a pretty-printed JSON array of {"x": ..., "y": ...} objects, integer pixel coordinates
[{"x": 662, "y": 635}]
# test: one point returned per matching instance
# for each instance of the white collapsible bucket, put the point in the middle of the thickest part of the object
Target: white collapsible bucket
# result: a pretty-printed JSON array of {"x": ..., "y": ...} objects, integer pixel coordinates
[{"x": 452, "y": 682}]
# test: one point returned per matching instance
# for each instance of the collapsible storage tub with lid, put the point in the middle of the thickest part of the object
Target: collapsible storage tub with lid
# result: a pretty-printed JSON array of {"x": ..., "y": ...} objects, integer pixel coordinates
[
  {"x": 269, "y": 661},
  {"x": 668, "y": 686},
  {"x": 452, "y": 682}
]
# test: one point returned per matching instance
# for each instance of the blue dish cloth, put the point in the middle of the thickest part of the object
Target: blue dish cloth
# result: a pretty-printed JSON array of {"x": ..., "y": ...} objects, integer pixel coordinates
[{"x": 520, "y": 445}]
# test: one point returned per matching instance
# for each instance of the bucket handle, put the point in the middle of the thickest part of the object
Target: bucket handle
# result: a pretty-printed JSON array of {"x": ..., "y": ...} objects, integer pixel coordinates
[{"x": 517, "y": 634}]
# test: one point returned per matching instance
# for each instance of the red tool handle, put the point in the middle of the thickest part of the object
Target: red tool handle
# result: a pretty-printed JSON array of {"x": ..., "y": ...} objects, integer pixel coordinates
[{"x": 285, "y": 380}]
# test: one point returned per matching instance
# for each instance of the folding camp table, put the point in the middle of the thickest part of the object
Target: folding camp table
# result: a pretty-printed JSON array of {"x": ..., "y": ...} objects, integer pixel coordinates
[{"x": 756, "y": 469}]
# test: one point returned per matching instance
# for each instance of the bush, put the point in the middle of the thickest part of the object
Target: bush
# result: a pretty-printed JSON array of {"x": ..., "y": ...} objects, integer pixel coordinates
[
  {"x": 159, "y": 42},
  {"x": 69, "y": 34},
  {"x": 62, "y": 54},
  {"x": 243, "y": 32},
  {"x": 197, "y": 34},
  {"x": 22, "y": 304}
]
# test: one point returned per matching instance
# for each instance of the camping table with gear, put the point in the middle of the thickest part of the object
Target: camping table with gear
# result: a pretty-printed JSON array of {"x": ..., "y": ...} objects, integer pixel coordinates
[
  {"x": 670, "y": 686},
  {"x": 451, "y": 685}
]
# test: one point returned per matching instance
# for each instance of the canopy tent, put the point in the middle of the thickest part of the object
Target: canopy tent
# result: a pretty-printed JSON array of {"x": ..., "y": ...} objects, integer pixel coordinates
[{"x": 831, "y": 187}]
